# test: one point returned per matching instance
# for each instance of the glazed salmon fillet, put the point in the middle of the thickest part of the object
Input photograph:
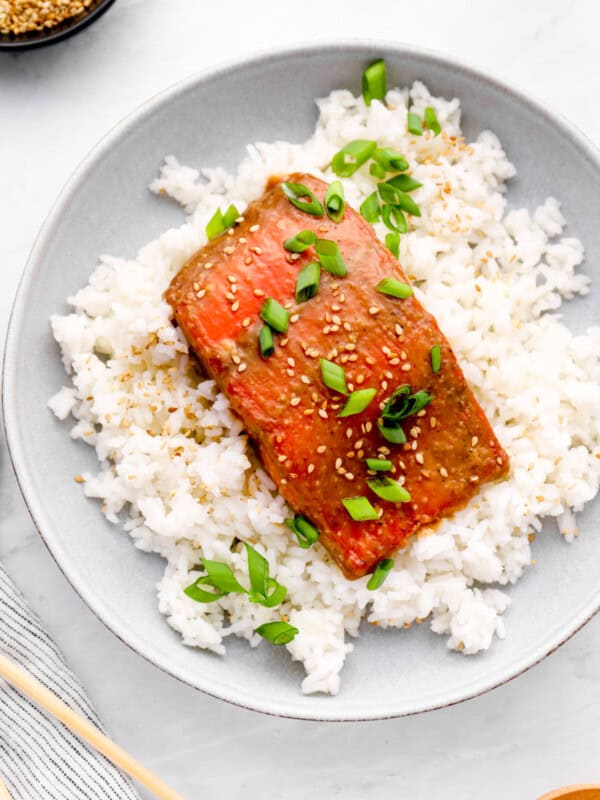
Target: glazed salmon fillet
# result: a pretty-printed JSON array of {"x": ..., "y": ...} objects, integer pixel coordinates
[{"x": 317, "y": 458}]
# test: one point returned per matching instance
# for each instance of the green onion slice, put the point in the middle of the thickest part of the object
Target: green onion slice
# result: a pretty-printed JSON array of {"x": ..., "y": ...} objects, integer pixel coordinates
[
  {"x": 300, "y": 242},
  {"x": 330, "y": 257},
  {"x": 392, "y": 242},
  {"x": 265, "y": 342},
  {"x": 431, "y": 121},
  {"x": 382, "y": 570},
  {"x": 305, "y": 531},
  {"x": 376, "y": 171},
  {"x": 357, "y": 402},
  {"x": 347, "y": 160},
  {"x": 277, "y": 632},
  {"x": 333, "y": 376},
  {"x": 402, "y": 404},
  {"x": 378, "y": 464},
  {"x": 394, "y": 219},
  {"x": 307, "y": 283},
  {"x": 395, "y": 197},
  {"x": 406, "y": 183},
  {"x": 394, "y": 288},
  {"x": 389, "y": 160},
  {"x": 436, "y": 357},
  {"x": 414, "y": 124},
  {"x": 391, "y": 433},
  {"x": 374, "y": 82},
  {"x": 335, "y": 202},
  {"x": 194, "y": 592},
  {"x": 258, "y": 570},
  {"x": 275, "y": 315},
  {"x": 220, "y": 577},
  {"x": 359, "y": 508},
  {"x": 278, "y": 593},
  {"x": 388, "y": 489},
  {"x": 301, "y": 197},
  {"x": 220, "y": 222},
  {"x": 370, "y": 208}
]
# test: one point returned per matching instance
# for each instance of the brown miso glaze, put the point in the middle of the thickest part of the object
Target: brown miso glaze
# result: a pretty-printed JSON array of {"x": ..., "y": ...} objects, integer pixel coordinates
[{"x": 316, "y": 458}]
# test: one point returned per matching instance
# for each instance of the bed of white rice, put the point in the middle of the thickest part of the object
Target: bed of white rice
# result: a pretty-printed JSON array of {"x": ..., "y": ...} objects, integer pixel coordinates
[{"x": 172, "y": 459}]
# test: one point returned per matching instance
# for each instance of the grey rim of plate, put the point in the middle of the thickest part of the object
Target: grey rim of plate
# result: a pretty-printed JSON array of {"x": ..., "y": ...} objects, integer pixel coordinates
[{"x": 279, "y": 692}]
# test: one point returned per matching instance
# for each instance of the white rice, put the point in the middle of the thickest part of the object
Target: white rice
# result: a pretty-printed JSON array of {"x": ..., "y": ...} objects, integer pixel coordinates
[{"x": 171, "y": 456}]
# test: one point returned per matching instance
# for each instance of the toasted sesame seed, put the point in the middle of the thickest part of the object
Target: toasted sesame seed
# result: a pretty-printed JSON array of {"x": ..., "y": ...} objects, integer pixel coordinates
[
  {"x": 405, "y": 367},
  {"x": 350, "y": 347},
  {"x": 290, "y": 373},
  {"x": 432, "y": 422},
  {"x": 421, "y": 413},
  {"x": 230, "y": 297},
  {"x": 257, "y": 250},
  {"x": 323, "y": 228},
  {"x": 294, "y": 318},
  {"x": 370, "y": 360},
  {"x": 338, "y": 463},
  {"x": 347, "y": 327},
  {"x": 281, "y": 458},
  {"x": 349, "y": 433},
  {"x": 295, "y": 401},
  {"x": 415, "y": 431},
  {"x": 201, "y": 294},
  {"x": 259, "y": 293},
  {"x": 474, "y": 478},
  {"x": 308, "y": 411},
  {"x": 246, "y": 322},
  {"x": 79, "y": 479},
  {"x": 196, "y": 286},
  {"x": 419, "y": 458},
  {"x": 358, "y": 444},
  {"x": 323, "y": 413},
  {"x": 398, "y": 329},
  {"x": 236, "y": 359},
  {"x": 321, "y": 448},
  {"x": 349, "y": 476},
  {"x": 248, "y": 260},
  {"x": 474, "y": 441},
  {"x": 234, "y": 288},
  {"x": 229, "y": 250},
  {"x": 235, "y": 306},
  {"x": 368, "y": 427},
  {"x": 242, "y": 367},
  {"x": 283, "y": 341},
  {"x": 242, "y": 240},
  {"x": 383, "y": 450},
  {"x": 360, "y": 379},
  {"x": 254, "y": 228},
  {"x": 232, "y": 279},
  {"x": 443, "y": 472},
  {"x": 312, "y": 353},
  {"x": 305, "y": 379},
  {"x": 499, "y": 461},
  {"x": 310, "y": 468},
  {"x": 335, "y": 307},
  {"x": 394, "y": 362},
  {"x": 374, "y": 310}
]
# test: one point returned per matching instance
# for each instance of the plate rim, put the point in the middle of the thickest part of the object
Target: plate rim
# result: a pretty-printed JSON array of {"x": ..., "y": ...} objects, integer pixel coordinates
[{"x": 34, "y": 262}]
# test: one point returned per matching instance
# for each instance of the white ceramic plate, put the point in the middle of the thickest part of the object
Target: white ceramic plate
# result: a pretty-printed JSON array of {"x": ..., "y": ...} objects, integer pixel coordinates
[{"x": 106, "y": 207}]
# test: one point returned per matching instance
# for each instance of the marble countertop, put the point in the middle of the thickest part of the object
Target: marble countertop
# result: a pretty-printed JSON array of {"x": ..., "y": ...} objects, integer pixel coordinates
[{"x": 541, "y": 730}]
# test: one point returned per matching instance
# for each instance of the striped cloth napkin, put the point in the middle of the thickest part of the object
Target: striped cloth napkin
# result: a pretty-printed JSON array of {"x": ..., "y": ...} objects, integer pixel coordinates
[{"x": 40, "y": 759}]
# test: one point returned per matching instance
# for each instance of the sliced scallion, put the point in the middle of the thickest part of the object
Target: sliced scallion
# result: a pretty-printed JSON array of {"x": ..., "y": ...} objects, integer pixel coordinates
[
  {"x": 220, "y": 222},
  {"x": 264, "y": 590},
  {"x": 402, "y": 404},
  {"x": 378, "y": 464},
  {"x": 388, "y": 489},
  {"x": 300, "y": 242},
  {"x": 391, "y": 433},
  {"x": 347, "y": 160},
  {"x": 392, "y": 242},
  {"x": 382, "y": 570},
  {"x": 305, "y": 531},
  {"x": 370, "y": 208},
  {"x": 394, "y": 219},
  {"x": 301, "y": 197},
  {"x": 359, "y": 508},
  {"x": 389, "y": 160},
  {"x": 333, "y": 376},
  {"x": 395, "y": 197},
  {"x": 406, "y": 183},
  {"x": 307, "y": 283},
  {"x": 414, "y": 124},
  {"x": 265, "y": 342},
  {"x": 330, "y": 257},
  {"x": 431, "y": 121},
  {"x": 277, "y": 632},
  {"x": 335, "y": 203},
  {"x": 357, "y": 402},
  {"x": 436, "y": 357},
  {"x": 394, "y": 288},
  {"x": 376, "y": 171},
  {"x": 374, "y": 82},
  {"x": 275, "y": 315}
]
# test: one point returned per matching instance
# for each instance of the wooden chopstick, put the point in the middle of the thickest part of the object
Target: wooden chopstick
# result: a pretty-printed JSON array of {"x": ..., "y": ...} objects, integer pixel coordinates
[
  {"x": 4, "y": 793},
  {"x": 30, "y": 686}
]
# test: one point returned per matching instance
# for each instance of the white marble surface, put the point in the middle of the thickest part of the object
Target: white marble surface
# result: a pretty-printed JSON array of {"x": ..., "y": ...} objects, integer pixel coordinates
[{"x": 541, "y": 730}]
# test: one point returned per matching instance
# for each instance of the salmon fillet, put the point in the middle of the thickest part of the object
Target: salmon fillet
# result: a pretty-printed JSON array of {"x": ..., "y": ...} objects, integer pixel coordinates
[{"x": 315, "y": 457}]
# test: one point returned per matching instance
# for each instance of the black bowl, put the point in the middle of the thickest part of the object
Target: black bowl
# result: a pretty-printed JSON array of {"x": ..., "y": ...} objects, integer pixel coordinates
[{"x": 46, "y": 36}]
